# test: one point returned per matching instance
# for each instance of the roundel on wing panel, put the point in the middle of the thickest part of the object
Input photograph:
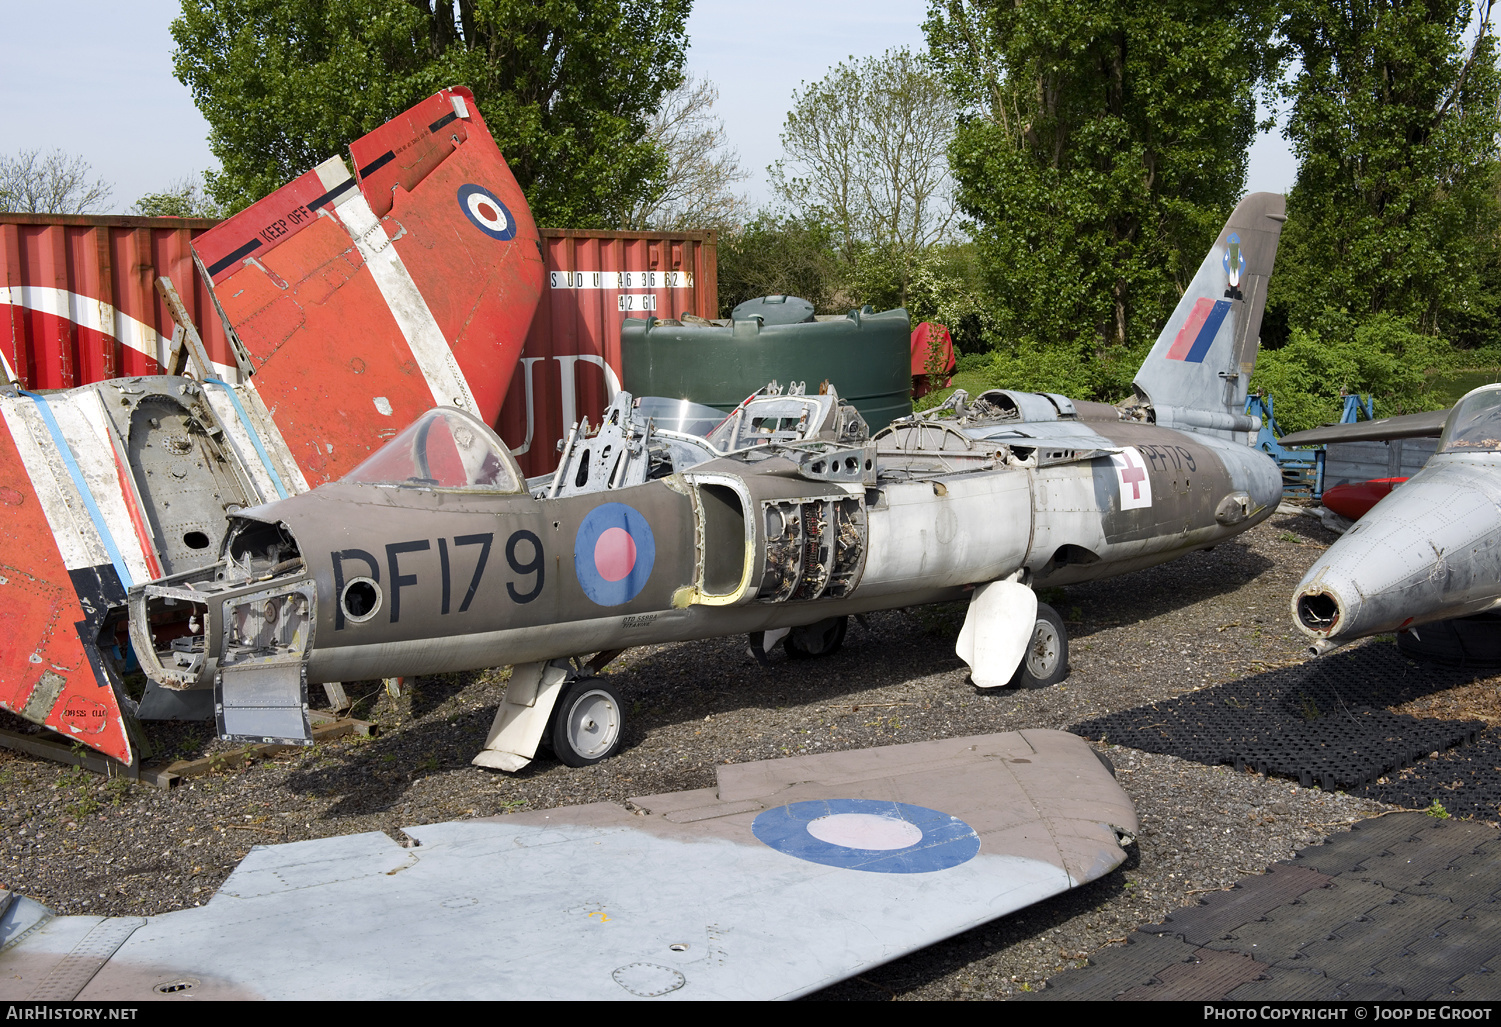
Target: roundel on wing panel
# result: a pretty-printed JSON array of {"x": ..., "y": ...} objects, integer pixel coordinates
[
  {"x": 613, "y": 554},
  {"x": 872, "y": 835},
  {"x": 485, "y": 212}
]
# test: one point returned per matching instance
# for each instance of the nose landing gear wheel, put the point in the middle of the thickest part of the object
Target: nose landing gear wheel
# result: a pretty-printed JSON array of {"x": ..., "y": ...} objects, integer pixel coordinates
[
  {"x": 1046, "y": 660},
  {"x": 587, "y": 722}
]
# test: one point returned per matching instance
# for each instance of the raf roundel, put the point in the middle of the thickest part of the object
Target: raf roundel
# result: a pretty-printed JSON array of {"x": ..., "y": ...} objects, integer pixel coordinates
[
  {"x": 875, "y": 836},
  {"x": 613, "y": 554},
  {"x": 485, "y": 212}
]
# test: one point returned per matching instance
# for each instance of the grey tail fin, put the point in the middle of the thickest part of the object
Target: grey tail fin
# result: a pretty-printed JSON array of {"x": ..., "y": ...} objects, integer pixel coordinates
[{"x": 1196, "y": 376}]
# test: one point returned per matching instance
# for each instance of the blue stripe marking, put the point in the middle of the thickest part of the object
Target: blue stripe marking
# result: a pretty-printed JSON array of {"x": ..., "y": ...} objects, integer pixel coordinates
[
  {"x": 74, "y": 472},
  {"x": 1210, "y": 329},
  {"x": 255, "y": 439},
  {"x": 946, "y": 840}
]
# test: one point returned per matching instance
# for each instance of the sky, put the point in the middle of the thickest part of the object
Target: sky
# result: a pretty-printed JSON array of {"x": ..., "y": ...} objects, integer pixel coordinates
[{"x": 95, "y": 79}]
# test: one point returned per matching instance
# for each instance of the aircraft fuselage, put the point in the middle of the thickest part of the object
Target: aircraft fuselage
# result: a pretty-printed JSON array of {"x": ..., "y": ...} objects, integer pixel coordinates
[{"x": 423, "y": 580}]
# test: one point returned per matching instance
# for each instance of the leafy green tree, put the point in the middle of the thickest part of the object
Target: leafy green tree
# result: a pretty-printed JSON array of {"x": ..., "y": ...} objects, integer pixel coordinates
[
  {"x": 183, "y": 198},
  {"x": 567, "y": 87},
  {"x": 1382, "y": 356},
  {"x": 1394, "y": 119},
  {"x": 866, "y": 153},
  {"x": 779, "y": 255},
  {"x": 1099, "y": 147}
]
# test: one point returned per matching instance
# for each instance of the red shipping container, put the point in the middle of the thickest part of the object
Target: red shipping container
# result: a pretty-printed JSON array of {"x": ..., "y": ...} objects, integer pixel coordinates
[
  {"x": 78, "y": 300},
  {"x": 593, "y": 281},
  {"x": 80, "y": 305}
]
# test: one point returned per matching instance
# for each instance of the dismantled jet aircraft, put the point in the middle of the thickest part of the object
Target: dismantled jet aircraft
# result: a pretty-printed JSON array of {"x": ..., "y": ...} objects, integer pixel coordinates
[
  {"x": 787, "y": 876},
  {"x": 435, "y": 555},
  {"x": 1429, "y": 551}
]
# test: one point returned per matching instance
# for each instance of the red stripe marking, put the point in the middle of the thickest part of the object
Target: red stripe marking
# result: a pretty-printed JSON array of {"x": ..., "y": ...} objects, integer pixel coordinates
[
  {"x": 1190, "y": 331},
  {"x": 132, "y": 506}
]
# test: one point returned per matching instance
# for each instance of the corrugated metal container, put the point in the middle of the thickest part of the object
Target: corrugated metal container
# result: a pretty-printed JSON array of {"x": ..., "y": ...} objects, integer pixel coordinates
[
  {"x": 1346, "y": 462},
  {"x": 78, "y": 296},
  {"x": 593, "y": 282},
  {"x": 80, "y": 306}
]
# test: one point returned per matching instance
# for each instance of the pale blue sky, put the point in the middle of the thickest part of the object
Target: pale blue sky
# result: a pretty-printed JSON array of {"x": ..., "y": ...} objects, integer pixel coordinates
[{"x": 95, "y": 78}]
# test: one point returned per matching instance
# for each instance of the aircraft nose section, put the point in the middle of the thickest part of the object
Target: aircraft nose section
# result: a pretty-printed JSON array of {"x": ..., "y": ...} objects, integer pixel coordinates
[
  {"x": 1326, "y": 609},
  {"x": 1422, "y": 554},
  {"x": 1319, "y": 611}
]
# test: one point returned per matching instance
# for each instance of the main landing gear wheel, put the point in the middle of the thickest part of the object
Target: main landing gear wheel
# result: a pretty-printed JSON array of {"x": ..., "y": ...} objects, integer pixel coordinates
[
  {"x": 821, "y": 639},
  {"x": 1046, "y": 660},
  {"x": 587, "y": 722}
]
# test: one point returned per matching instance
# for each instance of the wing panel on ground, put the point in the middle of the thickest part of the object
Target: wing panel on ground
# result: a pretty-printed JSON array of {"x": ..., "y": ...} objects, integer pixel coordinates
[
  {"x": 1429, "y": 424},
  {"x": 841, "y": 862}
]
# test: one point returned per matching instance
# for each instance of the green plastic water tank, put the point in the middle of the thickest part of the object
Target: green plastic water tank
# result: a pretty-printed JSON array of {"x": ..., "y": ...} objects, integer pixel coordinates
[
  {"x": 867, "y": 357},
  {"x": 774, "y": 310}
]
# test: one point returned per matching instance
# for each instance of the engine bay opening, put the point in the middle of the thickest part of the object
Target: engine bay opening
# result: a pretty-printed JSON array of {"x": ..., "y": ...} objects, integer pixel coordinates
[{"x": 724, "y": 539}]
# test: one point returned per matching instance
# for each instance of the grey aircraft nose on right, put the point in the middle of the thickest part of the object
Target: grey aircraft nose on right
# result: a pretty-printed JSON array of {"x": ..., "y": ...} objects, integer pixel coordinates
[{"x": 1429, "y": 551}]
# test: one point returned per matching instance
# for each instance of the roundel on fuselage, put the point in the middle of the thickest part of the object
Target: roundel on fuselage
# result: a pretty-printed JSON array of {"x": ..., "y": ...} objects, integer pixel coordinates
[{"x": 613, "y": 554}]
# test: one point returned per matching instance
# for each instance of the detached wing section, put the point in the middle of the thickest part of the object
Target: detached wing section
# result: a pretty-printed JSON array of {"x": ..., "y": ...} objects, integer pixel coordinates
[
  {"x": 786, "y": 877},
  {"x": 1429, "y": 424},
  {"x": 361, "y": 299}
]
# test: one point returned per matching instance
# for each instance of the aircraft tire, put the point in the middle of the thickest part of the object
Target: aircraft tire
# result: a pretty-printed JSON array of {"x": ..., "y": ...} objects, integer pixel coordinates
[
  {"x": 587, "y": 723},
  {"x": 1469, "y": 641},
  {"x": 1046, "y": 660},
  {"x": 823, "y": 638}
]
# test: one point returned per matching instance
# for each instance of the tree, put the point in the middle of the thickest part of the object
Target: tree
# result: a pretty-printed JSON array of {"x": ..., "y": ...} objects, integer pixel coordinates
[
  {"x": 1380, "y": 355},
  {"x": 1394, "y": 120},
  {"x": 183, "y": 198},
  {"x": 778, "y": 256},
  {"x": 567, "y": 87},
  {"x": 866, "y": 151},
  {"x": 32, "y": 182},
  {"x": 695, "y": 189},
  {"x": 1099, "y": 146}
]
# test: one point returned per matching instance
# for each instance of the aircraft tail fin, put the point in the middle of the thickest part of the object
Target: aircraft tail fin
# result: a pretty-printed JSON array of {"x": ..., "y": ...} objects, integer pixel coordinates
[{"x": 1197, "y": 374}]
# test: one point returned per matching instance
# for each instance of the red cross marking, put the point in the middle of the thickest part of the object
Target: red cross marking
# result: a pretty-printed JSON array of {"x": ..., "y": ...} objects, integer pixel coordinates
[{"x": 1132, "y": 475}]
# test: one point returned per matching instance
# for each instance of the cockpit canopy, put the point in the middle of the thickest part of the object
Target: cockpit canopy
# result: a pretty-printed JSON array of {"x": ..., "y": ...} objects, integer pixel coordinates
[
  {"x": 445, "y": 448},
  {"x": 679, "y": 415},
  {"x": 1474, "y": 426}
]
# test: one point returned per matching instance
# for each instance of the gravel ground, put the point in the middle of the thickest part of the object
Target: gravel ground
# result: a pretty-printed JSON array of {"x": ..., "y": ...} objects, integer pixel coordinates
[{"x": 85, "y": 846}]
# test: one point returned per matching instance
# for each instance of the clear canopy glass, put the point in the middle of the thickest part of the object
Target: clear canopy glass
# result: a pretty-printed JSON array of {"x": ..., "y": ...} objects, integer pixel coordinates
[
  {"x": 1474, "y": 426},
  {"x": 680, "y": 415},
  {"x": 444, "y": 448}
]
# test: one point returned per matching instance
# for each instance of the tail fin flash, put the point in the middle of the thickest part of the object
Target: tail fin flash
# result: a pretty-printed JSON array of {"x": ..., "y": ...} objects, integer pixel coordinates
[{"x": 1196, "y": 375}]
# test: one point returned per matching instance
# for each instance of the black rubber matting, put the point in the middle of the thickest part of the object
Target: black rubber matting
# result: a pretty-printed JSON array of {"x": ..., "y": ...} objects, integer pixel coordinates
[
  {"x": 1405, "y": 906},
  {"x": 1321, "y": 722},
  {"x": 1466, "y": 781}
]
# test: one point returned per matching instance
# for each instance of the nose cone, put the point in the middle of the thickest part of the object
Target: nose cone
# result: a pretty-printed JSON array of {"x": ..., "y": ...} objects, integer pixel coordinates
[{"x": 1428, "y": 551}]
